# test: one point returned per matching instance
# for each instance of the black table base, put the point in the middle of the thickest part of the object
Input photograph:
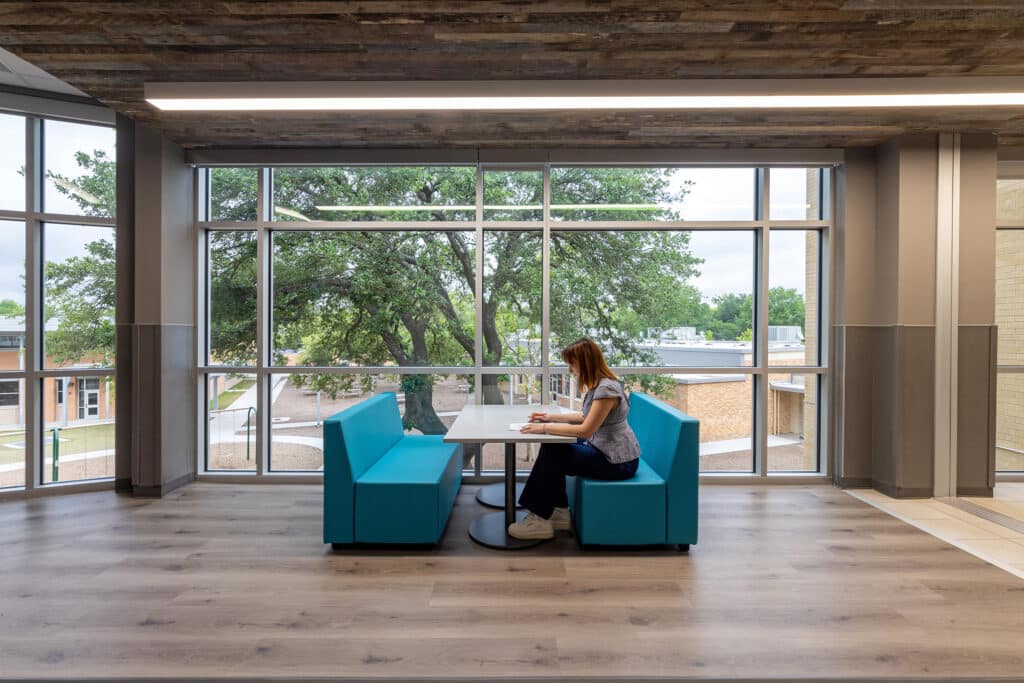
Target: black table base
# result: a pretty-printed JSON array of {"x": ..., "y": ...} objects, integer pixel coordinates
[
  {"x": 493, "y": 495},
  {"x": 491, "y": 529}
]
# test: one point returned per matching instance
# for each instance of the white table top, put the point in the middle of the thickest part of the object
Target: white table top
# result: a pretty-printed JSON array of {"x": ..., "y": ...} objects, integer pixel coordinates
[{"x": 490, "y": 424}]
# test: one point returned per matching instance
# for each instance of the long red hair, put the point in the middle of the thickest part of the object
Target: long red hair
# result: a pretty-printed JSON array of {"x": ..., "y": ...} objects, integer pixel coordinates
[{"x": 589, "y": 361}]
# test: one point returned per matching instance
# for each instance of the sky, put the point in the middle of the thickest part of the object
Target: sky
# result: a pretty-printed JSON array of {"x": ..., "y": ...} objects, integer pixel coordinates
[
  {"x": 728, "y": 194},
  {"x": 716, "y": 194},
  {"x": 62, "y": 141}
]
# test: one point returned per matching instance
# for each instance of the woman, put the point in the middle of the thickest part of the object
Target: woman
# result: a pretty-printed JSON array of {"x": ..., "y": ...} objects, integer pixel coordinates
[{"x": 605, "y": 447}]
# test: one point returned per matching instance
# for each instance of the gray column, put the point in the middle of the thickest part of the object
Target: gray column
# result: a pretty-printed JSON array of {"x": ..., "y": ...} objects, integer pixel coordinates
[
  {"x": 884, "y": 356},
  {"x": 163, "y": 425},
  {"x": 976, "y": 333}
]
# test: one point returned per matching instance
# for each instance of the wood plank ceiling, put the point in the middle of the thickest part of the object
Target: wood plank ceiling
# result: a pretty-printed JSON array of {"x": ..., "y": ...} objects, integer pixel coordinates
[{"x": 110, "y": 49}]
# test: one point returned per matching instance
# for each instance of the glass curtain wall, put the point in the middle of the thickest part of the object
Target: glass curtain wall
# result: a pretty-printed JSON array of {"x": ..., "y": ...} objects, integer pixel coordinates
[
  {"x": 452, "y": 285},
  {"x": 57, "y": 275}
]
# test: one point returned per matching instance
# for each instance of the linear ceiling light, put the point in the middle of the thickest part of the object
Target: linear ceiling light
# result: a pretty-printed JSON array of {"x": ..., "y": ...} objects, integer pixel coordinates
[{"x": 853, "y": 93}]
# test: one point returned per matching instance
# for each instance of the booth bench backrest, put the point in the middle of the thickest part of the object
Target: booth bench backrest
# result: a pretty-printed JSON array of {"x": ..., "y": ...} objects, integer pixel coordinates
[
  {"x": 670, "y": 444},
  {"x": 357, "y": 437}
]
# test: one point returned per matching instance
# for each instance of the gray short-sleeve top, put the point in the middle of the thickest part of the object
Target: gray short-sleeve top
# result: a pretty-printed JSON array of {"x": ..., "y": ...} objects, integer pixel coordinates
[{"x": 614, "y": 438}]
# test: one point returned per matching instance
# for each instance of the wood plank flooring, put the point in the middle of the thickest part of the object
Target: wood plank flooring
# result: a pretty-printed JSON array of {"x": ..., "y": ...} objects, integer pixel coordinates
[{"x": 232, "y": 581}]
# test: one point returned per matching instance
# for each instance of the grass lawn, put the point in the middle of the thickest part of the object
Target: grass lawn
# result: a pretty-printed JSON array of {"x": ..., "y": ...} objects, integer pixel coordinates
[
  {"x": 73, "y": 440},
  {"x": 229, "y": 396}
]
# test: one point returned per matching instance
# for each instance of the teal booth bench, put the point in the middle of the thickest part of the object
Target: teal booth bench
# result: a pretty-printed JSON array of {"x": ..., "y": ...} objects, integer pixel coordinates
[
  {"x": 382, "y": 485},
  {"x": 657, "y": 506}
]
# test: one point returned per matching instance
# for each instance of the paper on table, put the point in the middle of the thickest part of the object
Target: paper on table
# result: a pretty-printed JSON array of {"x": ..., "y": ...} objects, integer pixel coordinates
[{"x": 516, "y": 426}]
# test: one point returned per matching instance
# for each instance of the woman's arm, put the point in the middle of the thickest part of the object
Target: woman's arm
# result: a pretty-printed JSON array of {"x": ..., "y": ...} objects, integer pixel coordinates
[
  {"x": 599, "y": 410},
  {"x": 572, "y": 418}
]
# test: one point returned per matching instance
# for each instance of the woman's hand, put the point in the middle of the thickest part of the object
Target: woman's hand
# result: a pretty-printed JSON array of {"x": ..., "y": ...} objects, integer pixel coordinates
[
  {"x": 534, "y": 428},
  {"x": 540, "y": 417}
]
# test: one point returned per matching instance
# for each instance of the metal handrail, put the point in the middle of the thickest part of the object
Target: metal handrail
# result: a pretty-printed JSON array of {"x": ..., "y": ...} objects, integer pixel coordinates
[{"x": 250, "y": 414}]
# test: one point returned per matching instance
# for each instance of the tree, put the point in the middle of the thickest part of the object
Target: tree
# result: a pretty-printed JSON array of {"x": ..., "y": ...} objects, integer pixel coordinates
[
  {"x": 733, "y": 313},
  {"x": 372, "y": 297},
  {"x": 786, "y": 307},
  {"x": 80, "y": 290},
  {"x": 9, "y": 308}
]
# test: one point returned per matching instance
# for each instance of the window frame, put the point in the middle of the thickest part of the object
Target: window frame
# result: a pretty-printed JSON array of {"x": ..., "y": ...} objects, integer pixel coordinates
[
  {"x": 265, "y": 371},
  {"x": 34, "y": 216}
]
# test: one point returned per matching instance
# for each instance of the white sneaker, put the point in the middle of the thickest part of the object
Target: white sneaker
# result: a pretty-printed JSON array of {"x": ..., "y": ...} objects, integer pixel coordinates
[
  {"x": 560, "y": 519},
  {"x": 532, "y": 527}
]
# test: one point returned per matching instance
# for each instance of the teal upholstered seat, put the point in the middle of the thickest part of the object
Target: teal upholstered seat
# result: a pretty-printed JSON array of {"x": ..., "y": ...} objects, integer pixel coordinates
[
  {"x": 382, "y": 485},
  {"x": 659, "y": 504}
]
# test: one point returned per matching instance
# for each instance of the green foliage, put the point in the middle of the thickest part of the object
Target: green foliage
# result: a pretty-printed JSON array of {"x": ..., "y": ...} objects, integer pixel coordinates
[
  {"x": 662, "y": 386},
  {"x": 9, "y": 308},
  {"x": 233, "y": 193},
  {"x": 80, "y": 291},
  {"x": 95, "y": 188},
  {"x": 80, "y": 294},
  {"x": 786, "y": 307},
  {"x": 732, "y": 314}
]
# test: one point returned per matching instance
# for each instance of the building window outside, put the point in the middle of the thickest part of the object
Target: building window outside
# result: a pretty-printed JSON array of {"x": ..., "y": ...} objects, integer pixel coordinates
[
  {"x": 9, "y": 393},
  {"x": 657, "y": 264},
  {"x": 74, "y": 190}
]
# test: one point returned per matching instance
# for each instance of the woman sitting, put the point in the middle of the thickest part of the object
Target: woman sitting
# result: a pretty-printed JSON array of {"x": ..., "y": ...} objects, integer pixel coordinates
[{"x": 605, "y": 447}]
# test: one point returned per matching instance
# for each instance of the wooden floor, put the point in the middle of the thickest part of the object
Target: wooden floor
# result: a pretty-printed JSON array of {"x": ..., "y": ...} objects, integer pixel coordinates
[{"x": 232, "y": 581}]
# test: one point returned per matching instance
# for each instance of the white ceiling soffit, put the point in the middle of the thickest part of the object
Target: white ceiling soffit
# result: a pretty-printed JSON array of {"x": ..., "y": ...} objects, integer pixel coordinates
[{"x": 17, "y": 72}]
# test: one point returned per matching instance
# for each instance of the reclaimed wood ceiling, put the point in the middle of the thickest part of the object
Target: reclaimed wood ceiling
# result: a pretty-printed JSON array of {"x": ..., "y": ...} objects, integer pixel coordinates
[{"x": 110, "y": 49}]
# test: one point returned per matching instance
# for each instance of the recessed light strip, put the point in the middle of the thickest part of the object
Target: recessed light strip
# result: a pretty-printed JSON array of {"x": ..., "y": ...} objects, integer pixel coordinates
[{"x": 544, "y": 103}]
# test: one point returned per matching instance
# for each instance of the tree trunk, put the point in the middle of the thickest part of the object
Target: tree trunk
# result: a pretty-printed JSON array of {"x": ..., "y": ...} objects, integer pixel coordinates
[
  {"x": 419, "y": 405},
  {"x": 492, "y": 392}
]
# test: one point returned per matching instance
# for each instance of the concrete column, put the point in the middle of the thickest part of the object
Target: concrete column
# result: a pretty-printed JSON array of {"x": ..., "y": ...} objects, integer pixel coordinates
[{"x": 163, "y": 417}]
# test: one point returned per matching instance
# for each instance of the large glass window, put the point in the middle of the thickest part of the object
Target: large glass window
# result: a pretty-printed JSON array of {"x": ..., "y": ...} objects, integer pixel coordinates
[
  {"x": 652, "y": 194},
  {"x": 373, "y": 298},
  {"x": 80, "y": 166},
  {"x": 231, "y": 421},
  {"x": 12, "y": 432},
  {"x": 799, "y": 194},
  {"x": 231, "y": 299},
  {"x": 12, "y": 163},
  {"x": 658, "y": 298},
  {"x": 78, "y": 439},
  {"x": 793, "y": 297},
  {"x": 512, "y": 292},
  {"x": 231, "y": 194},
  {"x": 363, "y": 297},
  {"x": 380, "y": 193},
  {"x": 78, "y": 294},
  {"x": 68, "y": 363},
  {"x": 513, "y": 195}
]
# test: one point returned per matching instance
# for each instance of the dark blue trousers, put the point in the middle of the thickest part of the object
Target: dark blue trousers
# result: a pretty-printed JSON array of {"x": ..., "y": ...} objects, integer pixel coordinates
[{"x": 545, "y": 489}]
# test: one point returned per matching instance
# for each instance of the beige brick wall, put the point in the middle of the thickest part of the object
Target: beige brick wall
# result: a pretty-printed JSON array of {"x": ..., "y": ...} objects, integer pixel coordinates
[
  {"x": 1010, "y": 322},
  {"x": 723, "y": 408},
  {"x": 1010, "y": 201}
]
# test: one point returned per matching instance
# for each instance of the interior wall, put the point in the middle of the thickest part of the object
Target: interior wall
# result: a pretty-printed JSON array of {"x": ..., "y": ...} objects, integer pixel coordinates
[
  {"x": 977, "y": 339},
  {"x": 163, "y": 338}
]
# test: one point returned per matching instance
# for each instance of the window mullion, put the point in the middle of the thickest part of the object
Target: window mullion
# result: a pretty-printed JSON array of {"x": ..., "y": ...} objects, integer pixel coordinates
[
  {"x": 761, "y": 360},
  {"x": 33, "y": 302}
]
